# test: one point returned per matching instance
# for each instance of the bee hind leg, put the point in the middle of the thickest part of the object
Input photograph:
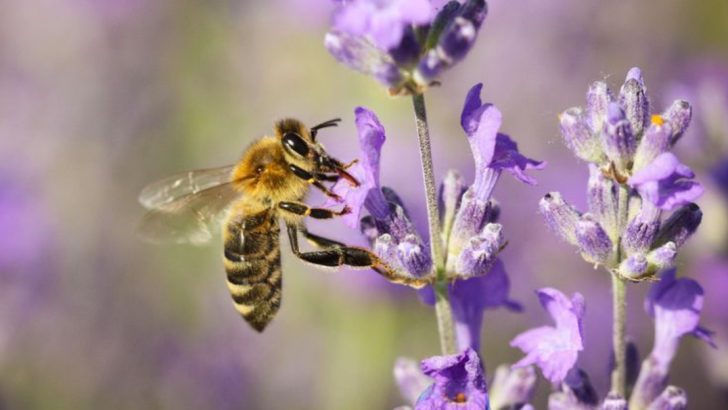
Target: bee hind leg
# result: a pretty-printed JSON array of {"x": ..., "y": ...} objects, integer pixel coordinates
[{"x": 352, "y": 256}]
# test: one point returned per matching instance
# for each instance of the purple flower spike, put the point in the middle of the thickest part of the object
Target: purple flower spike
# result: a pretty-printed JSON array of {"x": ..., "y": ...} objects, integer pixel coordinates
[
  {"x": 470, "y": 298},
  {"x": 492, "y": 150},
  {"x": 554, "y": 349},
  {"x": 666, "y": 183},
  {"x": 459, "y": 383},
  {"x": 383, "y": 22},
  {"x": 593, "y": 241}
]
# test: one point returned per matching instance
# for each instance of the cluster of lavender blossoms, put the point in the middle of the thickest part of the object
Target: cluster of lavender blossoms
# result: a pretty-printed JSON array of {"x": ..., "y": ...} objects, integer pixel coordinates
[
  {"x": 404, "y": 44},
  {"x": 634, "y": 180},
  {"x": 471, "y": 236}
]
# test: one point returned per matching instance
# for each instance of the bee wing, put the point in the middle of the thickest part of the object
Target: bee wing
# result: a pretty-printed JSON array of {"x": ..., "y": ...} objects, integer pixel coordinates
[
  {"x": 191, "y": 218},
  {"x": 170, "y": 189}
]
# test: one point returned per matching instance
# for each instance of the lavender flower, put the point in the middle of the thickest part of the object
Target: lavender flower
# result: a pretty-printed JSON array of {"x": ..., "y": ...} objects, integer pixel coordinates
[
  {"x": 633, "y": 180},
  {"x": 666, "y": 183},
  {"x": 676, "y": 305},
  {"x": 554, "y": 349},
  {"x": 459, "y": 383},
  {"x": 472, "y": 236},
  {"x": 403, "y": 43},
  {"x": 391, "y": 232}
]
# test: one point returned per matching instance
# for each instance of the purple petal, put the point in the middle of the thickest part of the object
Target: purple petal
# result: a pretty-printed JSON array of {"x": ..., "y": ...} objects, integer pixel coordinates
[
  {"x": 459, "y": 382},
  {"x": 666, "y": 182},
  {"x": 371, "y": 138},
  {"x": 383, "y": 22},
  {"x": 506, "y": 157},
  {"x": 469, "y": 298},
  {"x": 481, "y": 123},
  {"x": 676, "y": 305},
  {"x": 554, "y": 349}
]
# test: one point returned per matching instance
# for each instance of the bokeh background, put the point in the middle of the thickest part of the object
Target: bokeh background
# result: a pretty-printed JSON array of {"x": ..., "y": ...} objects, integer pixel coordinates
[{"x": 100, "y": 97}]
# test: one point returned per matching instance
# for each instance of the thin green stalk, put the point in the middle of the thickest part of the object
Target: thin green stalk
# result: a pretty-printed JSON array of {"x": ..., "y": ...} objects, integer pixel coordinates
[
  {"x": 619, "y": 378},
  {"x": 619, "y": 301},
  {"x": 442, "y": 304}
]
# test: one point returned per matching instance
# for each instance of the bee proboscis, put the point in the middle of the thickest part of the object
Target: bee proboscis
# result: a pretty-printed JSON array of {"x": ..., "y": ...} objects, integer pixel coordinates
[{"x": 248, "y": 199}]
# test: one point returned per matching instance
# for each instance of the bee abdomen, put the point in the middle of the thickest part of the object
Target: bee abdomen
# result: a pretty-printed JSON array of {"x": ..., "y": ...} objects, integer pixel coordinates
[{"x": 252, "y": 263}]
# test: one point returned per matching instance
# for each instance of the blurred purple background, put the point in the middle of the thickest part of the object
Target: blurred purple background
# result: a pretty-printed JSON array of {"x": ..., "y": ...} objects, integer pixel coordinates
[{"x": 100, "y": 97}]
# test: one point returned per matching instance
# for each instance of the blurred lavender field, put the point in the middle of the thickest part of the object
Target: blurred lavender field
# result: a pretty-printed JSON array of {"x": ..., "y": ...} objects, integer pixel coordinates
[{"x": 100, "y": 97}]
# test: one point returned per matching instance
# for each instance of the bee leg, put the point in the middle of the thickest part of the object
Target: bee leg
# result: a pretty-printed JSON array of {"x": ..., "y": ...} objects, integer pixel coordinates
[
  {"x": 354, "y": 257},
  {"x": 327, "y": 177},
  {"x": 311, "y": 179},
  {"x": 302, "y": 209},
  {"x": 320, "y": 241}
]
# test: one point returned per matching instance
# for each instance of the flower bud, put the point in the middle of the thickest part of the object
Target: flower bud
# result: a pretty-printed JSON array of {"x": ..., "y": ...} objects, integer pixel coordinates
[
  {"x": 672, "y": 398},
  {"x": 662, "y": 257},
  {"x": 578, "y": 383},
  {"x": 449, "y": 197},
  {"x": 478, "y": 256},
  {"x": 413, "y": 256},
  {"x": 614, "y": 401},
  {"x": 593, "y": 241},
  {"x": 597, "y": 100},
  {"x": 603, "y": 200},
  {"x": 678, "y": 115},
  {"x": 635, "y": 267},
  {"x": 472, "y": 215},
  {"x": 680, "y": 225},
  {"x": 642, "y": 229},
  {"x": 386, "y": 248},
  {"x": 618, "y": 139},
  {"x": 512, "y": 387},
  {"x": 633, "y": 99},
  {"x": 579, "y": 137},
  {"x": 560, "y": 216}
]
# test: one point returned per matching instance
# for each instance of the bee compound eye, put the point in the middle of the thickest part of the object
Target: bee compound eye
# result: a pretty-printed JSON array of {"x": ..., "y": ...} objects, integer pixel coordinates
[{"x": 295, "y": 143}]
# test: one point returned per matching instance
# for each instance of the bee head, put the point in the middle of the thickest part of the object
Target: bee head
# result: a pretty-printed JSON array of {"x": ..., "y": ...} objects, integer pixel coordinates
[{"x": 301, "y": 147}]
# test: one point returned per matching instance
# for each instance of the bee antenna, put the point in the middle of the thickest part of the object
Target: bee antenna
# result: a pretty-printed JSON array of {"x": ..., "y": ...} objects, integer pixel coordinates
[{"x": 330, "y": 123}]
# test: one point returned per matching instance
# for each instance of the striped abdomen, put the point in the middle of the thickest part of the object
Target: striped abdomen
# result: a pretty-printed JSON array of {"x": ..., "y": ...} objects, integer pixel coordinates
[{"x": 253, "y": 266}]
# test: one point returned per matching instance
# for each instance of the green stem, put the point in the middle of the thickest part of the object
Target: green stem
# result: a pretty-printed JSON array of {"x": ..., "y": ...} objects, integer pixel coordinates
[
  {"x": 442, "y": 304},
  {"x": 619, "y": 301},
  {"x": 619, "y": 378}
]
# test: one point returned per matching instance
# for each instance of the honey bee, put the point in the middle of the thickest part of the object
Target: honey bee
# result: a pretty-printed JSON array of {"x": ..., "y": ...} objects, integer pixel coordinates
[{"x": 248, "y": 199}]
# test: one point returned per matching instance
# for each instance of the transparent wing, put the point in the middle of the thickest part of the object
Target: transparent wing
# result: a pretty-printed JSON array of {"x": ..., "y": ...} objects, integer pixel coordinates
[
  {"x": 170, "y": 189},
  {"x": 191, "y": 218}
]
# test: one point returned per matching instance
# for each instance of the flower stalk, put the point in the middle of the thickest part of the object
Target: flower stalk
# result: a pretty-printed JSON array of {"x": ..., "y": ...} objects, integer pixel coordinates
[
  {"x": 443, "y": 311},
  {"x": 619, "y": 291}
]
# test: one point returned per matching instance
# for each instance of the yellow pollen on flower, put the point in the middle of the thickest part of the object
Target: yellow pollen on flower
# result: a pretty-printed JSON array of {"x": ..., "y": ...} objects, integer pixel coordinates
[
  {"x": 657, "y": 119},
  {"x": 460, "y": 398}
]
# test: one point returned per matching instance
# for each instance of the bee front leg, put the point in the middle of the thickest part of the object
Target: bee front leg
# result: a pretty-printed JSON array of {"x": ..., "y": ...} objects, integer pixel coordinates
[
  {"x": 299, "y": 208},
  {"x": 314, "y": 180},
  {"x": 352, "y": 256}
]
